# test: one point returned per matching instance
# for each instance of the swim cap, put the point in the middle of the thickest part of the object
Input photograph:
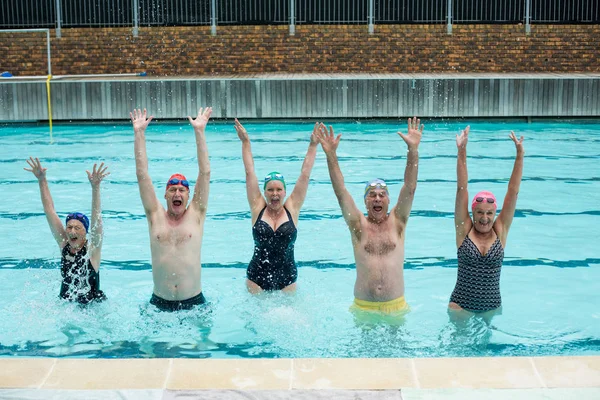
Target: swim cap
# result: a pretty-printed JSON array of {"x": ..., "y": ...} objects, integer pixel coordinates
[
  {"x": 376, "y": 183},
  {"x": 484, "y": 196},
  {"x": 79, "y": 217},
  {"x": 178, "y": 179},
  {"x": 274, "y": 176}
]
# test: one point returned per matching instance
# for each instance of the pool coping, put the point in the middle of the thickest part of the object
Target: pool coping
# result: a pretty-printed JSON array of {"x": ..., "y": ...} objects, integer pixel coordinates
[{"x": 544, "y": 372}]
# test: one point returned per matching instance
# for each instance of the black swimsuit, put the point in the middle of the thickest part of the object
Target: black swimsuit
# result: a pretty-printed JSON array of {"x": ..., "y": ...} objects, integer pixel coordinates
[
  {"x": 81, "y": 282},
  {"x": 478, "y": 283},
  {"x": 273, "y": 267}
]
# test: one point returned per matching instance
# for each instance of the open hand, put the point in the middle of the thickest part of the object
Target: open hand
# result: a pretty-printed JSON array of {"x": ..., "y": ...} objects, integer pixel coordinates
[
  {"x": 518, "y": 143},
  {"x": 241, "y": 131},
  {"x": 201, "y": 119},
  {"x": 139, "y": 120},
  {"x": 314, "y": 136},
  {"x": 415, "y": 132},
  {"x": 463, "y": 138},
  {"x": 96, "y": 176},
  {"x": 329, "y": 142},
  {"x": 36, "y": 168}
]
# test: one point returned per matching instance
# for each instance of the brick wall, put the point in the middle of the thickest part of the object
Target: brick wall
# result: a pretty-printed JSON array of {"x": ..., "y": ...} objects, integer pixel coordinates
[{"x": 183, "y": 51}]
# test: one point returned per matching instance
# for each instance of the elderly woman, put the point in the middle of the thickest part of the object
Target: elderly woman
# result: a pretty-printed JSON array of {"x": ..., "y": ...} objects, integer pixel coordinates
[
  {"x": 80, "y": 257},
  {"x": 274, "y": 220},
  {"x": 481, "y": 239}
]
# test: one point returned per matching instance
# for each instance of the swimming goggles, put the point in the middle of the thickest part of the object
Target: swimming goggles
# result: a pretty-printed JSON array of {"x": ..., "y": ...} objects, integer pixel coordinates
[
  {"x": 381, "y": 185},
  {"x": 374, "y": 184},
  {"x": 274, "y": 176},
  {"x": 487, "y": 199},
  {"x": 176, "y": 181},
  {"x": 76, "y": 215},
  {"x": 79, "y": 217}
]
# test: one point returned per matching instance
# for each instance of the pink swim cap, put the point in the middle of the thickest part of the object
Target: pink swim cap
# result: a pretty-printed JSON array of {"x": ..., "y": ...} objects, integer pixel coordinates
[{"x": 484, "y": 197}]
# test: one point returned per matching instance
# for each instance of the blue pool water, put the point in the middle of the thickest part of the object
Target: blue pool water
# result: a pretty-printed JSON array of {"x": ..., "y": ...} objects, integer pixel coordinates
[{"x": 550, "y": 280}]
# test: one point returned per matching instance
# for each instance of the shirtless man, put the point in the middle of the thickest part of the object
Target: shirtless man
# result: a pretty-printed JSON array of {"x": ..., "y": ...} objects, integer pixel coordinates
[
  {"x": 175, "y": 233},
  {"x": 378, "y": 238}
]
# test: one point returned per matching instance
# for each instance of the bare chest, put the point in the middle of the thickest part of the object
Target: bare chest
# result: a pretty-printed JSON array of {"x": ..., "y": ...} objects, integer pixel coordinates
[
  {"x": 175, "y": 234},
  {"x": 379, "y": 240}
]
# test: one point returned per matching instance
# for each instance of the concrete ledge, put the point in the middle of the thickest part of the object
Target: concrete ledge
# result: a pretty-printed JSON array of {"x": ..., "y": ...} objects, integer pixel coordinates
[{"x": 301, "y": 374}]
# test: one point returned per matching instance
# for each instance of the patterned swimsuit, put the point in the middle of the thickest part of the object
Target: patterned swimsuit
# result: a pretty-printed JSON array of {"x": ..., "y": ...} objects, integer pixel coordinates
[
  {"x": 81, "y": 282},
  {"x": 478, "y": 283}
]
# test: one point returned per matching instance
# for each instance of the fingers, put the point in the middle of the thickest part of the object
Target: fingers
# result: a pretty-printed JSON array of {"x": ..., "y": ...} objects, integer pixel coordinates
[
  {"x": 414, "y": 123},
  {"x": 138, "y": 114}
]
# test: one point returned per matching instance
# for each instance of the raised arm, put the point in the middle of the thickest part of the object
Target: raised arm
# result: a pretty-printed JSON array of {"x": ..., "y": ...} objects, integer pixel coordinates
[
  {"x": 56, "y": 227},
  {"x": 147, "y": 193},
  {"x": 298, "y": 195},
  {"x": 96, "y": 228},
  {"x": 200, "y": 199},
  {"x": 407, "y": 193},
  {"x": 462, "y": 219},
  {"x": 510, "y": 200},
  {"x": 351, "y": 213},
  {"x": 255, "y": 199}
]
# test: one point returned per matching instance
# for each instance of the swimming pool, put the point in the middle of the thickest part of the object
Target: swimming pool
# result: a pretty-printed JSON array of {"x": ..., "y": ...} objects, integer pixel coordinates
[{"x": 549, "y": 283}]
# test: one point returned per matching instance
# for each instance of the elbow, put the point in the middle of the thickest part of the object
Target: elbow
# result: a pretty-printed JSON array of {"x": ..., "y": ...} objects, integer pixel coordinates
[{"x": 205, "y": 171}]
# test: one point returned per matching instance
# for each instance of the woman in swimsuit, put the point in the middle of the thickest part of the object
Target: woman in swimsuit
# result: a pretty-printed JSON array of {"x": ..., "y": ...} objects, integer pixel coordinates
[
  {"x": 481, "y": 240},
  {"x": 274, "y": 220},
  {"x": 80, "y": 257}
]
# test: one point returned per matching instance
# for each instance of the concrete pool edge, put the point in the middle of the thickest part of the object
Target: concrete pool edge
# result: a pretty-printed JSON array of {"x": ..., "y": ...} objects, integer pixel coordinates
[{"x": 301, "y": 374}]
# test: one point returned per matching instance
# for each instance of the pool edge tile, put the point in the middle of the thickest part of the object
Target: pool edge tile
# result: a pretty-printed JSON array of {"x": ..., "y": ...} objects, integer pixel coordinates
[
  {"x": 289, "y": 374},
  {"x": 24, "y": 372},
  {"x": 476, "y": 372},
  {"x": 569, "y": 371},
  {"x": 85, "y": 374},
  {"x": 353, "y": 373},
  {"x": 239, "y": 374}
]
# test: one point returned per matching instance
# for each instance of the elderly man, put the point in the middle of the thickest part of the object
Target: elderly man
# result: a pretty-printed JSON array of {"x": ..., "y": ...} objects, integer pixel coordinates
[
  {"x": 175, "y": 233},
  {"x": 377, "y": 238}
]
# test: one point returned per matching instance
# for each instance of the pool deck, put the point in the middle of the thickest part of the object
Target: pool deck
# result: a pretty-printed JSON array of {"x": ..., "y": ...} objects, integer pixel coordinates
[{"x": 418, "y": 378}]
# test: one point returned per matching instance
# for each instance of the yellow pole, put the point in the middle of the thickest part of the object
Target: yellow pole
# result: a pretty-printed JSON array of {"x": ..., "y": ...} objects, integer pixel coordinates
[{"x": 49, "y": 105}]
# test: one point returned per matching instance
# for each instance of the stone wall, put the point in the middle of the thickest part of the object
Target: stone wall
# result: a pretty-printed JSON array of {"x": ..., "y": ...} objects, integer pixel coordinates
[{"x": 193, "y": 51}]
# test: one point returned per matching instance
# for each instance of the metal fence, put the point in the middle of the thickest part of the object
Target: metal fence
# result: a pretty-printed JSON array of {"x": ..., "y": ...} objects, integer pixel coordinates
[{"x": 107, "y": 13}]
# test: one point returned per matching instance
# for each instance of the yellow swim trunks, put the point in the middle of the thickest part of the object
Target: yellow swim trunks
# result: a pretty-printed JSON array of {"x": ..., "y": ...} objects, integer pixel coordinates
[{"x": 396, "y": 306}]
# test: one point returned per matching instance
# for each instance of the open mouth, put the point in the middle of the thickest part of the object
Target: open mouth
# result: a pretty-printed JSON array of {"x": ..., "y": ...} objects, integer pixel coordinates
[
  {"x": 377, "y": 208},
  {"x": 177, "y": 203}
]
